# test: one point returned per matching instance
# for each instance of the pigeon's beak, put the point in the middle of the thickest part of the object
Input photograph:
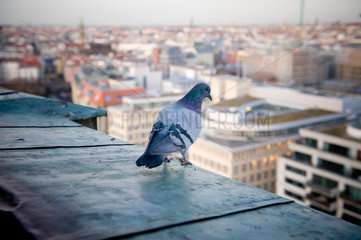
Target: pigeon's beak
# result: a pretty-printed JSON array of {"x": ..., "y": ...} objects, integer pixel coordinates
[{"x": 210, "y": 97}]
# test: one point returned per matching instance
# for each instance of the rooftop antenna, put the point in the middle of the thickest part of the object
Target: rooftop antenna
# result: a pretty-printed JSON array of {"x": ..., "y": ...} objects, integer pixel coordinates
[{"x": 300, "y": 34}]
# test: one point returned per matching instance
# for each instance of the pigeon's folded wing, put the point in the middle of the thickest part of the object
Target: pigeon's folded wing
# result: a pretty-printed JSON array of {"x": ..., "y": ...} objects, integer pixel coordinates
[{"x": 175, "y": 129}]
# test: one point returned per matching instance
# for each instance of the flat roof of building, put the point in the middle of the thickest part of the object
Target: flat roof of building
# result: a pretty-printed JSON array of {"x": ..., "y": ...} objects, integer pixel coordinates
[
  {"x": 72, "y": 182},
  {"x": 341, "y": 132},
  {"x": 234, "y": 102},
  {"x": 293, "y": 116},
  {"x": 278, "y": 116},
  {"x": 239, "y": 146}
]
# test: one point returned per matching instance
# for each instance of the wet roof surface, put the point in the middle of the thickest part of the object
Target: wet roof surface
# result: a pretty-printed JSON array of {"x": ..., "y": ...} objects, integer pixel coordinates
[{"x": 71, "y": 182}]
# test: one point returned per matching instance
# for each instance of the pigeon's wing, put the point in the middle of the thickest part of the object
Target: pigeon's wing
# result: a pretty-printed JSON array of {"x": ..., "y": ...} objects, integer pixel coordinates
[{"x": 181, "y": 128}]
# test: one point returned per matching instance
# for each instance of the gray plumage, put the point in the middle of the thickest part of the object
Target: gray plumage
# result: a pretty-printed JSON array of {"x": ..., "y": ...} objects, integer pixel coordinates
[{"x": 176, "y": 127}]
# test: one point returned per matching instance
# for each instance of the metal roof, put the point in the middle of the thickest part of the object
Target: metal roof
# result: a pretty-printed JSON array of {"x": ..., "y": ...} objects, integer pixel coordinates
[{"x": 71, "y": 182}]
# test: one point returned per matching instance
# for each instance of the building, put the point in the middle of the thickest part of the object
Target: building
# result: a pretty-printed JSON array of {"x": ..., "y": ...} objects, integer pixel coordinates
[
  {"x": 250, "y": 162},
  {"x": 101, "y": 83},
  {"x": 133, "y": 120},
  {"x": 183, "y": 71},
  {"x": 348, "y": 64},
  {"x": 150, "y": 80},
  {"x": 323, "y": 170},
  {"x": 168, "y": 55},
  {"x": 225, "y": 87},
  {"x": 282, "y": 66},
  {"x": 243, "y": 138},
  {"x": 178, "y": 85},
  {"x": 103, "y": 93}
]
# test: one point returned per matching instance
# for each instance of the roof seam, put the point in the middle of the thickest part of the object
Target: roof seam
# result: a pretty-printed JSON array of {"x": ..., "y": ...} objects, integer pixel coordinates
[
  {"x": 197, "y": 220},
  {"x": 41, "y": 126},
  {"x": 80, "y": 146}
]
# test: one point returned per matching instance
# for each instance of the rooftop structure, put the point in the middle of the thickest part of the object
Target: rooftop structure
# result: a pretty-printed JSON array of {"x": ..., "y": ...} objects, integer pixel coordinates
[
  {"x": 61, "y": 180},
  {"x": 294, "y": 96}
]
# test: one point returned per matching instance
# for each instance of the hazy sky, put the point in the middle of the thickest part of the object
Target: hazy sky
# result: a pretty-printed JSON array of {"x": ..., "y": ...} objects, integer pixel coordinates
[{"x": 147, "y": 12}]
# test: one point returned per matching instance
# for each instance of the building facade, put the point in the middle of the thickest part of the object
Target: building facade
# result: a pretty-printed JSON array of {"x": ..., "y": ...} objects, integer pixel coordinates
[
  {"x": 133, "y": 120},
  {"x": 323, "y": 171}
]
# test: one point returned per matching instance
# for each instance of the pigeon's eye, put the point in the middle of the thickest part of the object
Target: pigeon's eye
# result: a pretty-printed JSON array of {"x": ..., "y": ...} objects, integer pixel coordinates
[{"x": 207, "y": 89}]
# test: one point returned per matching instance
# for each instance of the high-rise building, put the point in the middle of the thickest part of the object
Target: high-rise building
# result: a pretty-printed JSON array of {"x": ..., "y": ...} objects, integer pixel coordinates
[{"x": 323, "y": 170}]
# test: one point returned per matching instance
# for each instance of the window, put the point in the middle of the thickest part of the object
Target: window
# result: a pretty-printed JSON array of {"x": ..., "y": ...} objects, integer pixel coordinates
[
  {"x": 353, "y": 192},
  {"x": 252, "y": 178},
  {"x": 296, "y": 170},
  {"x": 294, "y": 195},
  {"x": 108, "y": 98},
  {"x": 244, "y": 167},
  {"x": 294, "y": 182},
  {"x": 265, "y": 175},
  {"x": 356, "y": 174},
  {"x": 235, "y": 170},
  {"x": 265, "y": 186},
  {"x": 311, "y": 142},
  {"x": 331, "y": 166},
  {"x": 119, "y": 96},
  {"x": 333, "y": 148},
  {"x": 273, "y": 172},
  {"x": 305, "y": 158},
  {"x": 258, "y": 176},
  {"x": 324, "y": 182}
]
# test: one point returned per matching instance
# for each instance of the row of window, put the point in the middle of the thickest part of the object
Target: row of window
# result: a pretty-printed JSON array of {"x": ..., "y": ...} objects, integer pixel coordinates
[
  {"x": 332, "y": 148},
  {"x": 258, "y": 176},
  {"x": 269, "y": 186},
  {"x": 254, "y": 165},
  {"x": 293, "y": 195}
]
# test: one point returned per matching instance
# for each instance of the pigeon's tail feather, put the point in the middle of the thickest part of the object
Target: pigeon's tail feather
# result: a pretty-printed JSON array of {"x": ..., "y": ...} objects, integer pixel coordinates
[{"x": 150, "y": 161}]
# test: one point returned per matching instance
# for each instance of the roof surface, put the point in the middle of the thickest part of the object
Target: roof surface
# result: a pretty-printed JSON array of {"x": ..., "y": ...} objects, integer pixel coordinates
[{"x": 71, "y": 182}]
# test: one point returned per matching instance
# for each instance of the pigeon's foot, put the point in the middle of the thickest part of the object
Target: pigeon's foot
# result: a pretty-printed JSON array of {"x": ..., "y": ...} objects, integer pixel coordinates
[
  {"x": 167, "y": 159},
  {"x": 185, "y": 161}
]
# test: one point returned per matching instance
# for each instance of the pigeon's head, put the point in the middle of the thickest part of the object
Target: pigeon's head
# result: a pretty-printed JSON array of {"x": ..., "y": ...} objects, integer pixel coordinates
[{"x": 201, "y": 91}]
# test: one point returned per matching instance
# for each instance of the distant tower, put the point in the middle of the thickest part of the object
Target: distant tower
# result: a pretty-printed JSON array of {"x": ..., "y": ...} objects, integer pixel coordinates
[
  {"x": 300, "y": 34},
  {"x": 81, "y": 31},
  {"x": 191, "y": 22}
]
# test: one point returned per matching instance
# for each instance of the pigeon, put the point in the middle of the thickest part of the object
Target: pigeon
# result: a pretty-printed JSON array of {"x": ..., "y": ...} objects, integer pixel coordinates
[{"x": 176, "y": 128}]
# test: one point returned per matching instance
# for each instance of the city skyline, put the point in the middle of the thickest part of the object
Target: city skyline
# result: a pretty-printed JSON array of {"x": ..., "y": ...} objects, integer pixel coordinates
[{"x": 161, "y": 12}]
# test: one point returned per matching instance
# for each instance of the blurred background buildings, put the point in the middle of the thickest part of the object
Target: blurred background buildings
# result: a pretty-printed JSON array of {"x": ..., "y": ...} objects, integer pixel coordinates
[{"x": 286, "y": 107}]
